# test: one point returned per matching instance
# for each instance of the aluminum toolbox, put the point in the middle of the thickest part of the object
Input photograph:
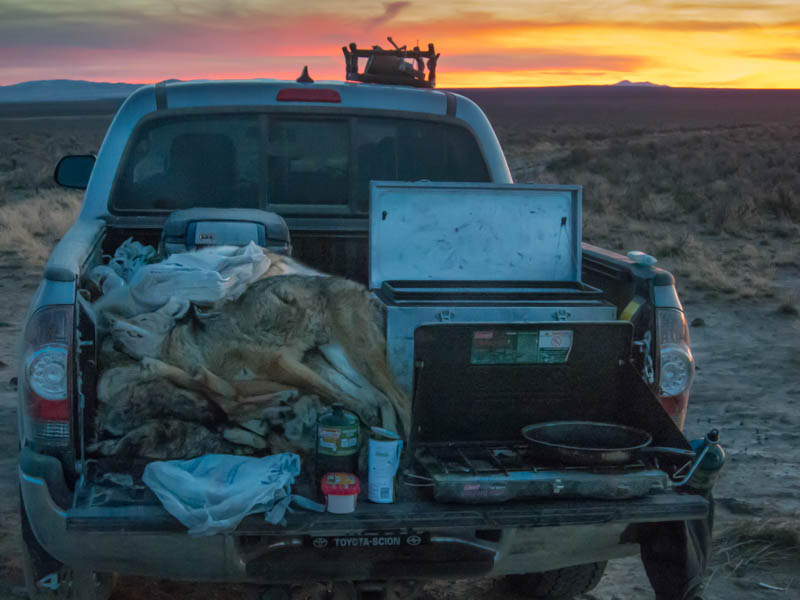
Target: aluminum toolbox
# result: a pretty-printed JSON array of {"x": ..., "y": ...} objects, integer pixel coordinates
[{"x": 475, "y": 253}]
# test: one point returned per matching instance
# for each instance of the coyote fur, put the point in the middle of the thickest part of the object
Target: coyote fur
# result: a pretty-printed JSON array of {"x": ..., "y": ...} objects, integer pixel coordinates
[
  {"x": 246, "y": 350},
  {"x": 137, "y": 411}
]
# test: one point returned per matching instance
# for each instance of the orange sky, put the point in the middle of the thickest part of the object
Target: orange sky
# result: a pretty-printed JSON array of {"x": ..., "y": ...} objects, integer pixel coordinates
[{"x": 711, "y": 43}]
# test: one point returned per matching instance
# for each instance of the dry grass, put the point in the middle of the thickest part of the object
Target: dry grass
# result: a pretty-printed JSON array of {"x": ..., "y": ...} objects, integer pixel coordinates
[
  {"x": 34, "y": 212},
  {"x": 31, "y": 226},
  {"x": 30, "y": 148},
  {"x": 726, "y": 178},
  {"x": 720, "y": 207},
  {"x": 757, "y": 543},
  {"x": 707, "y": 182}
]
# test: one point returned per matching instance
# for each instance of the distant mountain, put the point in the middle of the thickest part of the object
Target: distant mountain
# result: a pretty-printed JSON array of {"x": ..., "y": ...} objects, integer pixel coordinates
[
  {"x": 64, "y": 89},
  {"x": 627, "y": 83}
]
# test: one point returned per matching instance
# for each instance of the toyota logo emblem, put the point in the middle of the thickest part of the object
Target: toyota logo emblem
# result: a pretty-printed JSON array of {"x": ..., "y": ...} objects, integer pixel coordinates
[
  {"x": 413, "y": 540},
  {"x": 320, "y": 542}
]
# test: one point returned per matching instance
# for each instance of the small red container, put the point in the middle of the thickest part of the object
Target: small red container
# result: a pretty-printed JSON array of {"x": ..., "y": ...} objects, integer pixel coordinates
[{"x": 341, "y": 492}]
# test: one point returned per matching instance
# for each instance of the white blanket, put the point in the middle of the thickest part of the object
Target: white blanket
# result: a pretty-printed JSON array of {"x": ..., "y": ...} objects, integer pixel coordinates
[{"x": 205, "y": 277}]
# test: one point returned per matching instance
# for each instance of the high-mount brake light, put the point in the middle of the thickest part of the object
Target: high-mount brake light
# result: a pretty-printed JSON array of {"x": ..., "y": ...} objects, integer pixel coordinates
[
  {"x": 308, "y": 95},
  {"x": 47, "y": 377},
  {"x": 676, "y": 363}
]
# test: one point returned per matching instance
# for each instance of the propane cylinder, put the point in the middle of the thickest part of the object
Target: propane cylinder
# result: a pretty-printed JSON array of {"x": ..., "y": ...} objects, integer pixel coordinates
[
  {"x": 709, "y": 468},
  {"x": 337, "y": 441}
]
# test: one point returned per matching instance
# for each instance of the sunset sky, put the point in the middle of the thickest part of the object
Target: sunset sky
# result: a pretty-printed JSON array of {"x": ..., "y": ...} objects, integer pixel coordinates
[{"x": 713, "y": 43}]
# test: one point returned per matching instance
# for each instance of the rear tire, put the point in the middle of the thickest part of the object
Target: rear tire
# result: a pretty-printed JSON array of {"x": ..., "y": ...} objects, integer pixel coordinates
[
  {"x": 559, "y": 584},
  {"x": 46, "y": 578}
]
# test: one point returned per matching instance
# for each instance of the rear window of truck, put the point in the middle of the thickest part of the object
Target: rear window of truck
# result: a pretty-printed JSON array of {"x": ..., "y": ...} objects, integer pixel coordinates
[{"x": 286, "y": 163}]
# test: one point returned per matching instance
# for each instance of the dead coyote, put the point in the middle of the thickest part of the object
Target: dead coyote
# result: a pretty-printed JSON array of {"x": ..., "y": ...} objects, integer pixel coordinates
[{"x": 250, "y": 348}]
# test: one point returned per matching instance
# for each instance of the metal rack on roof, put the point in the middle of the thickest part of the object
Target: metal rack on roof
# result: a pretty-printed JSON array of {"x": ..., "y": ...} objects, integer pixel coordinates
[{"x": 398, "y": 66}]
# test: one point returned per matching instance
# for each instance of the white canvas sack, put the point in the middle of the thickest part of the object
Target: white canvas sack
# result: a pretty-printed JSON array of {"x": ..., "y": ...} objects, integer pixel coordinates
[{"x": 213, "y": 493}]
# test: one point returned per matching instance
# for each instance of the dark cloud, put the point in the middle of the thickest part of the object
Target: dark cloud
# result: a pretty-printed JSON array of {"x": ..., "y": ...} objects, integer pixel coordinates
[
  {"x": 226, "y": 30},
  {"x": 390, "y": 11}
]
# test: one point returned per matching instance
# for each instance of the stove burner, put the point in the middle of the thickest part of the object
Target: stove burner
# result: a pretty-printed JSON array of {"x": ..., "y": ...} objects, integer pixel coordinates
[
  {"x": 497, "y": 472},
  {"x": 492, "y": 458}
]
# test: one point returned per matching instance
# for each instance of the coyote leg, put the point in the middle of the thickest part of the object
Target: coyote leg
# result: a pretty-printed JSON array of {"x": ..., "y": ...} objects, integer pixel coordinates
[
  {"x": 380, "y": 392},
  {"x": 375, "y": 377},
  {"x": 286, "y": 368},
  {"x": 256, "y": 407},
  {"x": 258, "y": 387},
  {"x": 336, "y": 356},
  {"x": 216, "y": 388},
  {"x": 354, "y": 327},
  {"x": 363, "y": 401},
  {"x": 292, "y": 371},
  {"x": 389, "y": 418}
]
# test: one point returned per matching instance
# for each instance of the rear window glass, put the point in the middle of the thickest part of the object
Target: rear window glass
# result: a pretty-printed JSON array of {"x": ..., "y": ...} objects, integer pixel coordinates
[
  {"x": 286, "y": 164},
  {"x": 309, "y": 161},
  {"x": 208, "y": 161},
  {"x": 401, "y": 150}
]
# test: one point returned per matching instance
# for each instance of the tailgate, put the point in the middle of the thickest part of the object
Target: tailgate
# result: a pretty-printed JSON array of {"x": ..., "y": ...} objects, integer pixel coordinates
[{"x": 418, "y": 516}]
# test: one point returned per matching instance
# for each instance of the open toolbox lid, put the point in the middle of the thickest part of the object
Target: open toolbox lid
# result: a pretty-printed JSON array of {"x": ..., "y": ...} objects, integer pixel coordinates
[{"x": 473, "y": 232}]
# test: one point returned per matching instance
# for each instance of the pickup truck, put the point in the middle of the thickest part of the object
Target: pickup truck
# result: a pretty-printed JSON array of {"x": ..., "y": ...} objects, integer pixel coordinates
[{"x": 312, "y": 153}]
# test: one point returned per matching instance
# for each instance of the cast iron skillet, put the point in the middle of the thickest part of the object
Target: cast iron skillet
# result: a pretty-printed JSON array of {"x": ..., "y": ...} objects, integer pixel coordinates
[{"x": 589, "y": 443}]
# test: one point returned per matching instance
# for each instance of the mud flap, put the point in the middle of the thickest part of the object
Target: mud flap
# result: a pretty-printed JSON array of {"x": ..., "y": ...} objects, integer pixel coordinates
[{"x": 675, "y": 555}]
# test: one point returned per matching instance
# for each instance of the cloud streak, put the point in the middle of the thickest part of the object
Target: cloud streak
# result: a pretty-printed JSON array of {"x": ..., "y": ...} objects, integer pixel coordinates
[
  {"x": 542, "y": 59},
  {"x": 790, "y": 55}
]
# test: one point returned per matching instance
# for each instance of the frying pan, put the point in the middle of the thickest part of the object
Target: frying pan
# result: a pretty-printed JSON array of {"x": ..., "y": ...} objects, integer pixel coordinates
[{"x": 587, "y": 443}]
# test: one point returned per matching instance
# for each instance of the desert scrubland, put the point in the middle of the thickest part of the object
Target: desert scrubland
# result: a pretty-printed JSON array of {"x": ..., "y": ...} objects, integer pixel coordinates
[{"x": 706, "y": 181}]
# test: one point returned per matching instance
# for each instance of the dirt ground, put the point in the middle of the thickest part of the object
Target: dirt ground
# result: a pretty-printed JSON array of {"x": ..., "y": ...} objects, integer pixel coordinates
[{"x": 748, "y": 356}]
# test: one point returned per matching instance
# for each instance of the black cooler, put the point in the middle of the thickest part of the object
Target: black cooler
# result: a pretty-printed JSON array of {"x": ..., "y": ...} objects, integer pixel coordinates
[{"x": 186, "y": 230}]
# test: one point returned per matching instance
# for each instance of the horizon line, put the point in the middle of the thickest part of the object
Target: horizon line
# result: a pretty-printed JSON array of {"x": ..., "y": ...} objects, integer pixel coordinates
[{"x": 633, "y": 84}]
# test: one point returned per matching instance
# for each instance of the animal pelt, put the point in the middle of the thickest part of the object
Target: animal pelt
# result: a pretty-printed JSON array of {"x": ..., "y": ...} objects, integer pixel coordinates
[
  {"x": 132, "y": 395},
  {"x": 266, "y": 334},
  {"x": 129, "y": 397},
  {"x": 167, "y": 439}
]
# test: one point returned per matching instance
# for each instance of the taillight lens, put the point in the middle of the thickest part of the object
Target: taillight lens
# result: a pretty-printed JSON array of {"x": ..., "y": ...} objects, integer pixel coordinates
[
  {"x": 676, "y": 363},
  {"x": 47, "y": 377}
]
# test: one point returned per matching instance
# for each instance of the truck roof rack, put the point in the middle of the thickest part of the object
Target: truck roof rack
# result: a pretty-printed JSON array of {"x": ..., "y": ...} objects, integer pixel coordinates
[{"x": 392, "y": 66}]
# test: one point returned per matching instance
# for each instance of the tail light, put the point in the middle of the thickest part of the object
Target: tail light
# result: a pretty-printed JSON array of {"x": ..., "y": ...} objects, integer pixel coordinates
[
  {"x": 675, "y": 362},
  {"x": 46, "y": 380}
]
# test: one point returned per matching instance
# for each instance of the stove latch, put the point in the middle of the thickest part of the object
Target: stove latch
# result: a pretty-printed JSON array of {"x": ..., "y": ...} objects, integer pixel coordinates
[{"x": 644, "y": 348}]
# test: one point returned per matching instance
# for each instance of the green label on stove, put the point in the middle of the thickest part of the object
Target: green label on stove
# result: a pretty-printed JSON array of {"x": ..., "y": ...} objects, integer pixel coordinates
[{"x": 509, "y": 347}]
